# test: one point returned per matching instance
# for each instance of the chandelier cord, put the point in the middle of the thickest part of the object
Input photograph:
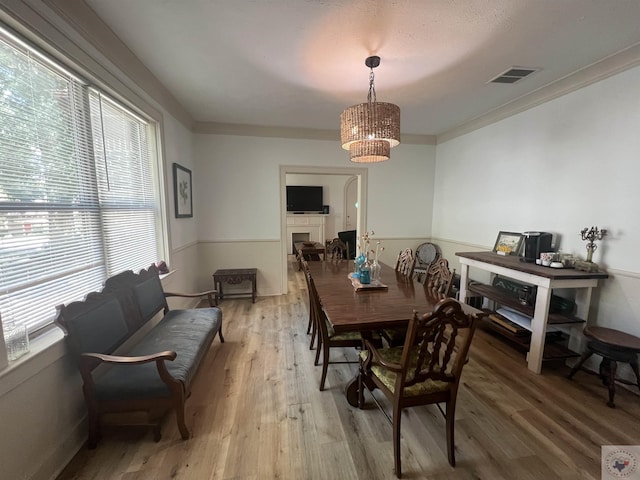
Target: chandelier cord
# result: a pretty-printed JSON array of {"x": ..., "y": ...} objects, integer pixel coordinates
[{"x": 372, "y": 88}]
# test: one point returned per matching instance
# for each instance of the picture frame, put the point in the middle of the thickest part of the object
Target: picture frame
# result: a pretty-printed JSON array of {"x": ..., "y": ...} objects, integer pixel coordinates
[
  {"x": 182, "y": 191},
  {"x": 508, "y": 243}
]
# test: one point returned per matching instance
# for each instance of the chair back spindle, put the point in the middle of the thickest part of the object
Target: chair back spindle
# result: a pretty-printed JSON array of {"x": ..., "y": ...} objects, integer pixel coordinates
[{"x": 405, "y": 263}]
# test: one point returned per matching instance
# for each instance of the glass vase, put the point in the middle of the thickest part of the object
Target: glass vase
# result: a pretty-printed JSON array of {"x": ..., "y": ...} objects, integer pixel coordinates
[
  {"x": 16, "y": 340},
  {"x": 359, "y": 262},
  {"x": 365, "y": 273},
  {"x": 375, "y": 271}
]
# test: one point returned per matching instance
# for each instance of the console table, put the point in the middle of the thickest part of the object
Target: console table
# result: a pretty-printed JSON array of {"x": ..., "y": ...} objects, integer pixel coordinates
[
  {"x": 234, "y": 276},
  {"x": 310, "y": 248},
  {"x": 544, "y": 278}
]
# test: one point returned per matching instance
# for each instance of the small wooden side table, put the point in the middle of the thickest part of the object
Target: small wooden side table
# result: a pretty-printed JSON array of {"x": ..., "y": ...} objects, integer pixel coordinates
[
  {"x": 310, "y": 248},
  {"x": 234, "y": 276},
  {"x": 613, "y": 346}
]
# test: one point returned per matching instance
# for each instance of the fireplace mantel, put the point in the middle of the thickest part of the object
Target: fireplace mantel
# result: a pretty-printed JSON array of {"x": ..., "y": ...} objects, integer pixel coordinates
[{"x": 313, "y": 224}]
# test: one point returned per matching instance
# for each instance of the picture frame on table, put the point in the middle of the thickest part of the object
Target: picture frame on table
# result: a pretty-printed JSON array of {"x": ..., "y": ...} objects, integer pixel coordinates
[
  {"x": 182, "y": 191},
  {"x": 508, "y": 243}
]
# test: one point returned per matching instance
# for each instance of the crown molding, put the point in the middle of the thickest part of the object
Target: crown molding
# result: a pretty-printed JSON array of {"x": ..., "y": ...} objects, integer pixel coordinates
[
  {"x": 607, "y": 67},
  {"x": 92, "y": 29},
  {"x": 414, "y": 139},
  {"x": 214, "y": 128}
]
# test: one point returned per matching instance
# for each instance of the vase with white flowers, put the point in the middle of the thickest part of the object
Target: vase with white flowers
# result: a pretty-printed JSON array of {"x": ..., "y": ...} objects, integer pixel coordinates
[
  {"x": 362, "y": 253},
  {"x": 359, "y": 262}
]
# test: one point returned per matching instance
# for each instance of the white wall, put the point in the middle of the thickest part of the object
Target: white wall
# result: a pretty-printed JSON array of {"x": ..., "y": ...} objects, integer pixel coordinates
[
  {"x": 178, "y": 149},
  {"x": 562, "y": 166},
  {"x": 238, "y": 188},
  {"x": 332, "y": 194},
  {"x": 42, "y": 412}
]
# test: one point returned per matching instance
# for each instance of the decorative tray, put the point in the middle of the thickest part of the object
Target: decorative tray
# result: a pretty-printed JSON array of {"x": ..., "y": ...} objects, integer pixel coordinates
[{"x": 368, "y": 286}]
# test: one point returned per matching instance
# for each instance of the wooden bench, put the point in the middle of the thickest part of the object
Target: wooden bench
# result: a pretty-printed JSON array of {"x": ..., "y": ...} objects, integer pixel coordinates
[{"x": 155, "y": 374}]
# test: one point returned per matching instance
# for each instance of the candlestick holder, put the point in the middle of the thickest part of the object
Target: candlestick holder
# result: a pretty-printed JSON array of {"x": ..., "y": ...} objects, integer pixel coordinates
[{"x": 591, "y": 235}]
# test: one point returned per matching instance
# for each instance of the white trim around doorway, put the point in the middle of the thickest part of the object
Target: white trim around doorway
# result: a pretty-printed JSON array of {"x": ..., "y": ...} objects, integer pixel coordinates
[{"x": 360, "y": 173}]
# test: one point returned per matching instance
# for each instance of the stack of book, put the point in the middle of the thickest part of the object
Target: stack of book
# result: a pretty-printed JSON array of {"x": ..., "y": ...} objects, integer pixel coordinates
[{"x": 507, "y": 324}]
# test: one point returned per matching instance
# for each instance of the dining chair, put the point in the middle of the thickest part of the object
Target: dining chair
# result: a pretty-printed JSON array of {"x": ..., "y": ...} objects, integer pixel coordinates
[
  {"x": 437, "y": 283},
  {"x": 439, "y": 278},
  {"x": 405, "y": 263},
  {"x": 328, "y": 338},
  {"x": 426, "y": 370},
  {"x": 337, "y": 250},
  {"x": 311, "y": 325},
  {"x": 426, "y": 254}
]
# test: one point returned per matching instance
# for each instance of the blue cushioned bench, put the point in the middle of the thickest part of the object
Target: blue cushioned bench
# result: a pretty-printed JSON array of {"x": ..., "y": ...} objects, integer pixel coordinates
[{"x": 155, "y": 374}]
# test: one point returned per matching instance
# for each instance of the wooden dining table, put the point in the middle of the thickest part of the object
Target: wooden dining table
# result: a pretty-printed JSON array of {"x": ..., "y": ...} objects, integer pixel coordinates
[{"x": 365, "y": 311}]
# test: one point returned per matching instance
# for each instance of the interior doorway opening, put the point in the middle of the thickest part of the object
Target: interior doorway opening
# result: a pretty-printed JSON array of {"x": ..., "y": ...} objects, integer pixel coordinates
[{"x": 359, "y": 177}]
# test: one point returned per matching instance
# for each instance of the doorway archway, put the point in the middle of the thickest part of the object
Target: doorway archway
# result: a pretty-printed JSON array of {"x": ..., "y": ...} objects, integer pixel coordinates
[{"x": 359, "y": 173}]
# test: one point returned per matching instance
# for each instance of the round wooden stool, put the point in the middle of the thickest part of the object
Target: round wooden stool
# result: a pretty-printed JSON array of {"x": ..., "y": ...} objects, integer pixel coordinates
[{"x": 613, "y": 346}]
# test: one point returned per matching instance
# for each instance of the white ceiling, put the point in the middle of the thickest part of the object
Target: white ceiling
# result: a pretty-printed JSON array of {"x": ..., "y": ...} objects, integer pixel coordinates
[{"x": 299, "y": 63}]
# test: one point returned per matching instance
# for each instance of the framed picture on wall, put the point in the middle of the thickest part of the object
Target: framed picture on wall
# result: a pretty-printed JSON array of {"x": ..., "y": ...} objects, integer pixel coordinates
[
  {"x": 508, "y": 243},
  {"x": 182, "y": 192}
]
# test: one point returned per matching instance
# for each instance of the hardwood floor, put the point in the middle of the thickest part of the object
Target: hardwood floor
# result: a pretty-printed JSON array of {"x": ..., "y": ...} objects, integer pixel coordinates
[{"x": 256, "y": 413}]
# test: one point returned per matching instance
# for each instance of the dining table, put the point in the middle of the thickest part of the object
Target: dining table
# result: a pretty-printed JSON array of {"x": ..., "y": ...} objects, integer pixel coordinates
[{"x": 388, "y": 304}]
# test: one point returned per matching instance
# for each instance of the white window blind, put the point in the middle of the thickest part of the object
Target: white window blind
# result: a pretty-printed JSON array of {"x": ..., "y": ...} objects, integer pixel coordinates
[
  {"x": 125, "y": 186},
  {"x": 78, "y": 201}
]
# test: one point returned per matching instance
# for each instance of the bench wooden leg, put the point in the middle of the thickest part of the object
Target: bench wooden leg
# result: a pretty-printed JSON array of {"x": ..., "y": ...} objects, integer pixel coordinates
[
  {"x": 93, "y": 417},
  {"x": 94, "y": 429},
  {"x": 634, "y": 367},
  {"x": 157, "y": 433},
  {"x": 179, "y": 409}
]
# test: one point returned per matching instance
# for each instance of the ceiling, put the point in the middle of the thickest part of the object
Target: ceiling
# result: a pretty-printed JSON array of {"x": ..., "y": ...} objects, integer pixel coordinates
[{"x": 299, "y": 63}]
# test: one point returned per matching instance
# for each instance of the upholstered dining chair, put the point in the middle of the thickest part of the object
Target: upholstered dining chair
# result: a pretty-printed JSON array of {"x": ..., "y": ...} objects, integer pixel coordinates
[
  {"x": 439, "y": 278},
  {"x": 426, "y": 370},
  {"x": 311, "y": 325},
  {"x": 337, "y": 250},
  {"x": 437, "y": 283},
  {"x": 328, "y": 338},
  {"x": 405, "y": 263}
]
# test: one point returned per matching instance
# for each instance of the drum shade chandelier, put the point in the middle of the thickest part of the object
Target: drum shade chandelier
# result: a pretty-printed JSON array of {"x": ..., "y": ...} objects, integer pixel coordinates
[{"x": 370, "y": 130}]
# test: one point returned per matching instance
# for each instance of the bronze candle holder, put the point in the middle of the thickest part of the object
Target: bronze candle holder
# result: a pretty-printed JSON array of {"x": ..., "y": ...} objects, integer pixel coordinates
[{"x": 591, "y": 235}]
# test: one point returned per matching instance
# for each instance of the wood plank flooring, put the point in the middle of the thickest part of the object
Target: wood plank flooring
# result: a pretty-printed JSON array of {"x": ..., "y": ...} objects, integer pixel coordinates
[{"x": 256, "y": 413}]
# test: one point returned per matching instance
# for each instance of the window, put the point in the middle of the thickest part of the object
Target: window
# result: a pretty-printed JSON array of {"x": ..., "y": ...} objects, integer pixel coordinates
[{"x": 79, "y": 190}]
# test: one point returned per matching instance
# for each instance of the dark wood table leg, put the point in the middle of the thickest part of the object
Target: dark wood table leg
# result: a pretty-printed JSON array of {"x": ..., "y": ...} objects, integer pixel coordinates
[
  {"x": 610, "y": 368},
  {"x": 351, "y": 392},
  {"x": 585, "y": 356},
  {"x": 254, "y": 288},
  {"x": 352, "y": 389}
]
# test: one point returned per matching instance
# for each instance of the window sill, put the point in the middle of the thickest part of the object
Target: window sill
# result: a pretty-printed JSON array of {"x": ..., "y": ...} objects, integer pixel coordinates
[
  {"x": 43, "y": 351},
  {"x": 165, "y": 275}
]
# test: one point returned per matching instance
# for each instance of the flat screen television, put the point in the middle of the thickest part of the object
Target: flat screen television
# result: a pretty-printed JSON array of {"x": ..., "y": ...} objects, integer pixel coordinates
[{"x": 303, "y": 198}]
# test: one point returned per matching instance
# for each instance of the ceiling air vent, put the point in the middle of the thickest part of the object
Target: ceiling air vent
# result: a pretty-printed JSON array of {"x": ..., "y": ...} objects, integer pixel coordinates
[{"x": 513, "y": 75}]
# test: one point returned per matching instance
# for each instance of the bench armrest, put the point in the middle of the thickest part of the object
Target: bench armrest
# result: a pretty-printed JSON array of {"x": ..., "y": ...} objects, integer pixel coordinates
[
  {"x": 210, "y": 294},
  {"x": 103, "y": 358},
  {"x": 88, "y": 361}
]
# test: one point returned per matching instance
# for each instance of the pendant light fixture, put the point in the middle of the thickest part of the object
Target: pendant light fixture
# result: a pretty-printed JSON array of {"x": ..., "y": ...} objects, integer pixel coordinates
[{"x": 369, "y": 130}]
